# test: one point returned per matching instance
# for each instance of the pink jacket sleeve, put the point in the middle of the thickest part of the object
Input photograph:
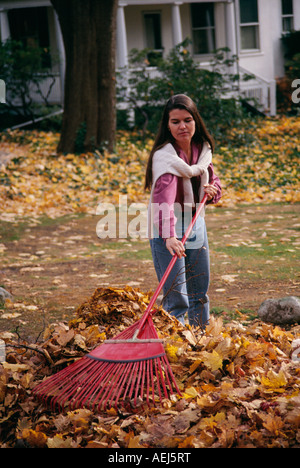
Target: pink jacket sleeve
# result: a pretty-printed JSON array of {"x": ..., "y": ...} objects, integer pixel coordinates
[
  {"x": 213, "y": 179},
  {"x": 164, "y": 198},
  {"x": 168, "y": 191}
]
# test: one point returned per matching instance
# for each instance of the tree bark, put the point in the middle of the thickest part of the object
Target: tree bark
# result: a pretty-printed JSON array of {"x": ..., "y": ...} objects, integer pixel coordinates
[{"x": 89, "y": 33}]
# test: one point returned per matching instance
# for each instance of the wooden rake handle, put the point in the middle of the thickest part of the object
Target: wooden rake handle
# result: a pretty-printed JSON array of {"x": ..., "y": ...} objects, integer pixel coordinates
[{"x": 149, "y": 311}]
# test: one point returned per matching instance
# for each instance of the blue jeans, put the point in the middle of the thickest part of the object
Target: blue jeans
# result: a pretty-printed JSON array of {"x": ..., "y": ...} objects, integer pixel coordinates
[{"x": 185, "y": 290}]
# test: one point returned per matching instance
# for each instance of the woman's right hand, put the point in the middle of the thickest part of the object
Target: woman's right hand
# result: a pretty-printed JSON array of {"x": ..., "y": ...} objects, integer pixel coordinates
[{"x": 175, "y": 246}]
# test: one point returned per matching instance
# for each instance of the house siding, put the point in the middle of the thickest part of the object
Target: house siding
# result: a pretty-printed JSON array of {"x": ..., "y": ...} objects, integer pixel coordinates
[
  {"x": 135, "y": 27},
  {"x": 267, "y": 63}
]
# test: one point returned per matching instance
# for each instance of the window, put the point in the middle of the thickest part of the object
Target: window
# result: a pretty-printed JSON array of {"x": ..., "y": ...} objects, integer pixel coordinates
[
  {"x": 249, "y": 25},
  {"x": 287, "y": 15},
  {"x": 153, "y": 36},
  {"x": 152, "y": 24},
  {"x": 153, "y": 31},
  {"x": 203, "y": 28},
  {"x": 30, "y": 26}
]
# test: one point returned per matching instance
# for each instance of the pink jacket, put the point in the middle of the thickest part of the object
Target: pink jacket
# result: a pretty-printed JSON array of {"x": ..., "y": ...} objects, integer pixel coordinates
[{"x": 169, "y": 188}]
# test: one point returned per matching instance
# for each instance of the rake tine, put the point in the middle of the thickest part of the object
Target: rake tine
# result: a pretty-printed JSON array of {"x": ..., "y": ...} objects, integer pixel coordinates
[
  {"x": 123, "y": 374},
  {"x": 128, "y": 378},
  {"x": 167, "y": 374},
  {"x": 175, "y": 386},
  {"x": 84, "y": 386},
  {"x": 133, "y": 379},
  {"x": 54, "y": 383},
  {"x": 152, "y": 381},
  {"x": 122, "y": 384},
  {"x": 106, "y": 392},
  {"x": 147, "y": 378},
  {"x": 92, "y": 384},
  {"x": 143, "y": 380},
  {"x": 125, "y": 382},
  {"x": 157, "y": 379},
  {"x": 104, "y": 387},
  {"x": 142, "y": 385},
  {"x": 78, "y": 388},
  {"x": 125, "y": 369},
  {"x": 66, "y": 392},
  {"x": 138, "y": 384},
  {"x": 162, "y": 378},
  {"x": 99, "y": 386}
]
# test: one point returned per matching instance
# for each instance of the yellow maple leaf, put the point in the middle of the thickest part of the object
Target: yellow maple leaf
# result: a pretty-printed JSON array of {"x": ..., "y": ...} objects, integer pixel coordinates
[
  {"x": 58, "y": 441},
  {"x": 273, "y": 424},
  {"x": 212, "y": 360},
  {"x": 134, "y": 442},
  {"x": 274, "y": 382},
  {"x": 212, "y": 421},
  {"x": 188, "y": 442},
  {"x": 191, "y": 392},
  {"x": 34, "y": 438},
  {"x": 171, "y": 352},
  {"x": 195, "y": 365}
]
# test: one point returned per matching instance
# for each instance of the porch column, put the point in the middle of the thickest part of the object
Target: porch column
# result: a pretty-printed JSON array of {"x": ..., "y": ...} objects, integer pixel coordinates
[
  {"x": 231, "y": 34},
  {"x": 62, "y": 56},
  {"x": 122, "y": 52},
  {"x": 176, "y": 23},
  {"x": 4, "y": 25},
  {"x": 230, "y": 27}
]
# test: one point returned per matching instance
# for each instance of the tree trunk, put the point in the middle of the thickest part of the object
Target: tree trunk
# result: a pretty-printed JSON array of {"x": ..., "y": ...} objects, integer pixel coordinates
[{"x": 89, "y": 33}]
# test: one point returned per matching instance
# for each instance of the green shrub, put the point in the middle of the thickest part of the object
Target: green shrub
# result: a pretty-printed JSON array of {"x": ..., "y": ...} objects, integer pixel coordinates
[
  {"x": 23, "y": 68},
  {"x": 214, "y": 91}
]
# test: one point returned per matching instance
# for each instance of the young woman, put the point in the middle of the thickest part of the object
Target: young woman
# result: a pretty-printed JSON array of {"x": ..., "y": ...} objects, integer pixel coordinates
[{"x": 179, "y": 172}]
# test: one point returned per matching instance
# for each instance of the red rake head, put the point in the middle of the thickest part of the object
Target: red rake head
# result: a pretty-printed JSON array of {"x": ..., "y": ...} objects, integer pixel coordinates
[{"x": 125, "y": 371}]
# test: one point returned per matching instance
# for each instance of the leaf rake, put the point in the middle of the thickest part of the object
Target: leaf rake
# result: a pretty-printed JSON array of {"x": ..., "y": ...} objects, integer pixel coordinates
[{"x": 130, "y": 370}]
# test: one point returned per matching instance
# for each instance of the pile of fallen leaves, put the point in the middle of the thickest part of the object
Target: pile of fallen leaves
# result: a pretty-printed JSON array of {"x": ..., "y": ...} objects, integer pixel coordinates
[
  {"x": 259, "y": 165},
  {"x": 264, "y": 170},
  {"x": 240, "y": 384}
]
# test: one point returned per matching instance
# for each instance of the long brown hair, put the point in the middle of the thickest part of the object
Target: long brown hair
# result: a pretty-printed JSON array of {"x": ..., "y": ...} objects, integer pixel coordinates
[{"x": 164, "y": 136}]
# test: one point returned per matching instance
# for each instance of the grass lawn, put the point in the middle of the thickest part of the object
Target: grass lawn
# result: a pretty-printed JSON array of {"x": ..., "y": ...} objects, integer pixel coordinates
[
  {"x": 51, "y": 257},
  {"x": 240, "y": 385},
  {"x": 52, "y": 265}
]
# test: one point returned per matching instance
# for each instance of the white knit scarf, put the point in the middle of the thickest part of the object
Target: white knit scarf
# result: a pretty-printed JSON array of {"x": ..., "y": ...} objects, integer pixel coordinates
[{"x": 166, "y": 160}]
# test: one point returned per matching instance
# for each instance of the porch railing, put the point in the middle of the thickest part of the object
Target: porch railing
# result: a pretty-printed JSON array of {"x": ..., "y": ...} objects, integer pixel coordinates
[
  {"x": 257, "y": 91},
  {"x": 261, "y": 91}
]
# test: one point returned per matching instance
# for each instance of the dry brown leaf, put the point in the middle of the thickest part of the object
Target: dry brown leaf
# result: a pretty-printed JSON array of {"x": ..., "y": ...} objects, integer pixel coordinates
[{"x": 239, "y": 388}]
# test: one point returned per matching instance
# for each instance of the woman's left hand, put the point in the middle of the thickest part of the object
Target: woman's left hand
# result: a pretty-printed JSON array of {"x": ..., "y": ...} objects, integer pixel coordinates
[{"x": 211, "y": 191}]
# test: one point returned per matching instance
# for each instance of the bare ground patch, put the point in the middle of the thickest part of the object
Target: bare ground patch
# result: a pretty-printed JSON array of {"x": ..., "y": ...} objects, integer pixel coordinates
[{"x": 52, "y": 266}]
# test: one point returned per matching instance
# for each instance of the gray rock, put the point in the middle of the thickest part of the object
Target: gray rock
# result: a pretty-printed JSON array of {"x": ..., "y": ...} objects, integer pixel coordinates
[
  {"x": 280, "y": 311},
  {"x": 4, "y": 295}
]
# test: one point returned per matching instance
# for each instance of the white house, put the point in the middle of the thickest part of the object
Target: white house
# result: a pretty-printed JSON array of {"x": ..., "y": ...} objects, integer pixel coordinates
[{"x": 252, "y": 29}]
